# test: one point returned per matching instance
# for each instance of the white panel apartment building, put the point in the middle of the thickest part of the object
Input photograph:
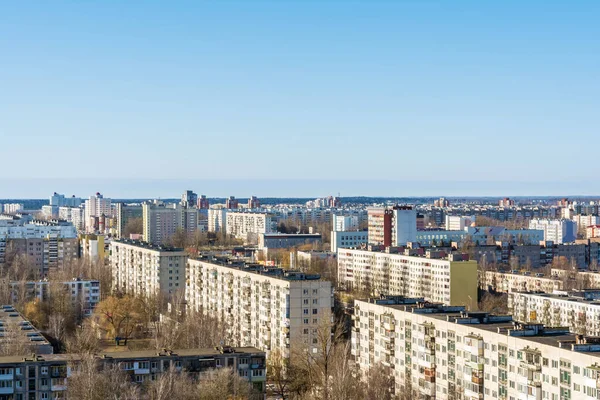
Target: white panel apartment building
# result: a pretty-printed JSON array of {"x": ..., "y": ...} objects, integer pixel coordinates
[
  {"x": 139, "y": 268},
  {"x": 96, "y": 206},
  {"x": 217, "y": 219},
  {"x": 84, "y": 293},
  {"x": 514, "y": 282},
  {"x": 399, "y": 274},
  {"x": 556, "y": 230},
  {"x": 162, "y": 220},
  {"x": 579, "y": 311},
  {"x": 440, "y": 352},
  {"x": 270, "y": 309},
  {"x": 248, "y": 225}
]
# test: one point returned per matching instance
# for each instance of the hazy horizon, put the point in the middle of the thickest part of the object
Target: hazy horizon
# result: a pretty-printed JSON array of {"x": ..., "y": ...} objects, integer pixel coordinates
[{"x": 301, "y": 188}]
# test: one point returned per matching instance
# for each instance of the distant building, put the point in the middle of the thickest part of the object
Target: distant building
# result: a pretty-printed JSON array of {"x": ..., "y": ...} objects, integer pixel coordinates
[
  {"x": 91, "y": 247},
  {"x": 458, "y": 223},
  {"x": 346, "y": 239},
  {"x": 60, "y": 200},
  {"x": 140, "y": 268},
  {"x": 592, "y": 231},
  {"x": 345, "y": 222},
  {"x": 248, "y": 225},
  {"x": 392, "y": 226},
  {"x": 189, "y": 199},
  {"x": 506, "y": 202},
  {"x": 126, "y": 212},
  {"x": 557, "y": 230},
  {"x": 96, "y": 207},
  {"x": 84, "y": 294},
  {"x": 12, "y": 208},
  {"x": 286, "y": 240},
  {"x": 253, "y": 203},
  {"x": 203, "y": 203},
  {"x": 161, "y": 220},
  {"x": 46, "y": 245},
  {"x": 441, "y": 202},
  {"x": 231, "y": 203},
  {"x": 217, "y": 219}
]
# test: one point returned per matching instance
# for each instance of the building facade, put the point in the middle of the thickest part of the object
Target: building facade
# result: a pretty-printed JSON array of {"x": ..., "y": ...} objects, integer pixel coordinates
[
  {"x": 162, "y": 221},
  {"x": 140, "y": 268},
  {"x": 249, "y": 225},
  {"x": 441, "y": 352},
  {"x": 47, "y": 377},
  {"x": 84, "y": 293},
  {"x": 267, "y": 308},
  {"x": 448, "y": 281},
  {"x": 287, "y": 240},
  {"x": 348, "y": 239},
  {"x": 556, "y": 230},
  {"x": 579, "y": 311},
  {"x": 126, "y": 212}
]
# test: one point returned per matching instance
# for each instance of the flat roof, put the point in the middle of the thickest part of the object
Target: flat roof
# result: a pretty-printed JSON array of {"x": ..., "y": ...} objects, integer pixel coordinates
[{"x": 124, "y": 355}]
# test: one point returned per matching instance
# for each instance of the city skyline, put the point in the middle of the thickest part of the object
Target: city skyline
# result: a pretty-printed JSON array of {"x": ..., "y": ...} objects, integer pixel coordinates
[{"x": 306, "y": 188}]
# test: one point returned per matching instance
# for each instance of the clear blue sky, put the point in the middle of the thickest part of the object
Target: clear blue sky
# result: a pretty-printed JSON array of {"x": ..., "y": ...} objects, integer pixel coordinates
[{"x": 338, "y": 90}]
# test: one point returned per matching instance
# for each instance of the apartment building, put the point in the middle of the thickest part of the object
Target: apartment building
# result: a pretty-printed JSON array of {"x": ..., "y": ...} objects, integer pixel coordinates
[
  {"x": 47, "y": 376},
  {"x": 458, "y": 223},
  {"x": 84, "y": 293},
  {"x": 451, "y": 281},
  {"x": 268, "y": 308},
  {"x": 444, "y": 352},
  {"x": 16, "y": 333},
  {"x": 141, "y": 268},
  {"x": 12, "y": 208},
  {"x": 59, "y": 200},
  {"x": 162, "y": 220},
  {"x": 95, "y": 207},
  {"x": 46, "y": 244},
  {"x": 345, "y": 222},
  {"x": 577, "y": 310},
  {"x": 217, "y": 219},
  {"x": 268, "y": 241},
  {"x": 91, "y": 247},
  {"x": 249, "y": 225},
  {"x": 126, "y": 212},
  {"x": 347, "y": 239},
  {"x": 556, "y": 230},
  {"x": 392, "y": 226},
  {"x": 513, "y": 281}
]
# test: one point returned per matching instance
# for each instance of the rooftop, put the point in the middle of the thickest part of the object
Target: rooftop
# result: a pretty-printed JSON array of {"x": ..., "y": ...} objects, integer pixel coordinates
[
  {"x": 273, "y": 272},
  {"x": 9, "y": 318},
  {"x": 127, "y": 355},
  {"x": 148, "y": 246},
  {"x": 502, "y": 324}
]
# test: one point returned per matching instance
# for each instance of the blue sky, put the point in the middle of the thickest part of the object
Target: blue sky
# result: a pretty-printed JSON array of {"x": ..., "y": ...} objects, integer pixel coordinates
[{"x": 96, "y": 92}]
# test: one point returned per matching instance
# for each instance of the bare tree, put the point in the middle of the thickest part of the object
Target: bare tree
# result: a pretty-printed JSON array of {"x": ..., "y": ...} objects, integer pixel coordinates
[
  {"x": 379, "y": 383},
  {"x": 84, "y": 340},
  {"x": 171, "y": 384},
  {"x": 318, "y": 360},
  {"x": 93, "y": 380},
  {"x": 225, "y": 383}
]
